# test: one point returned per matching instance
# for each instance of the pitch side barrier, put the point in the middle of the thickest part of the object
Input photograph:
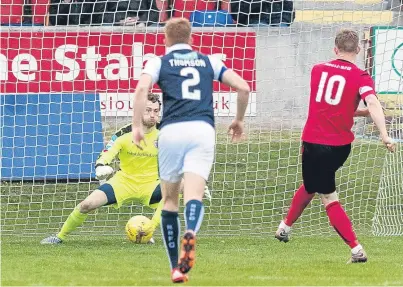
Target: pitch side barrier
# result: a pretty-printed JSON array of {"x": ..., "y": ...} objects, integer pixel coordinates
[
  {"x": 64, "y": 90},
  {"x": 61, "y": 87}
]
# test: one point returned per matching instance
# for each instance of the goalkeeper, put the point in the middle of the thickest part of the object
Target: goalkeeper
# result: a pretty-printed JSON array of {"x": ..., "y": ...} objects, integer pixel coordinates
[{"x": 136, "y": 181}]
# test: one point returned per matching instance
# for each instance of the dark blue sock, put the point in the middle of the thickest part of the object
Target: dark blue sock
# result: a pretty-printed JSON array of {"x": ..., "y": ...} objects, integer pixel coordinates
[
  {"x": 194, "y": 212},
  {"x": 170, "y": 228}
]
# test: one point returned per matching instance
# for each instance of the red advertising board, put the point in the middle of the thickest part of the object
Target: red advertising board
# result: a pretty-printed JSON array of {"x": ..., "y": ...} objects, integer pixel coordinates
[{"x": 87, "y": 62}]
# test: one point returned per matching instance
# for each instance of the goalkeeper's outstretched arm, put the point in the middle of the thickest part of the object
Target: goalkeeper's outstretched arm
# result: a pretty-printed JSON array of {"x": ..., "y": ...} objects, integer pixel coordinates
[
  {"x": 109, "y": 153},
  {"x": 112, "y": 149}
]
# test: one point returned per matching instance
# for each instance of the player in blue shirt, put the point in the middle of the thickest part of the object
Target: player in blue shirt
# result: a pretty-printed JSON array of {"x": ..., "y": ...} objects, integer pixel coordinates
[{"x": 187, "y": 138}]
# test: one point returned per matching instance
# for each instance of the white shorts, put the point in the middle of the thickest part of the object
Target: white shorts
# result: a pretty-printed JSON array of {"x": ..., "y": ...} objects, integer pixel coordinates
[{"x": 185, "y": 147}]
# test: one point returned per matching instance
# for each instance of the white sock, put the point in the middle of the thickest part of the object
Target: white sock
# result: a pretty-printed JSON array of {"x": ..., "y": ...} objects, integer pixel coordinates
[
  {"x": 284, "y": 226},
  {"x": 356, "y": 249}
]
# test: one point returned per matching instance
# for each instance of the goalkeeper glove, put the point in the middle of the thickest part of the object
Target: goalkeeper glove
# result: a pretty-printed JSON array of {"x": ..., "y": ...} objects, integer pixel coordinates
[
  {"x": 207, "y": 193},
  {"x": 103, "y": 171}
]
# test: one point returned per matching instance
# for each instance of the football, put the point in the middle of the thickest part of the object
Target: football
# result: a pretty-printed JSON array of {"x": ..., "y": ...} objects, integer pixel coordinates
[{"x": 139, "y": 230}]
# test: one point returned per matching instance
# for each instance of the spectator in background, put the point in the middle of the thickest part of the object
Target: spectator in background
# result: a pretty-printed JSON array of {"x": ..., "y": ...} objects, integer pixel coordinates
[
  {"x": 105, "y": 12},
  {"x": 59, "y": 12},
  {"x": 75, "y": 12},
  {"x": 263, "y": 12},
  {"x": 184, "y": 8},
  {"x": 131, "y": 12},
  {"x": 152, "y": 12}
]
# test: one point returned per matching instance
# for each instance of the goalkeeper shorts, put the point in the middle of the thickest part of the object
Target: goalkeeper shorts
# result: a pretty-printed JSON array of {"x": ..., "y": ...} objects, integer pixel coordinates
[{"x": 128, "y": 190}]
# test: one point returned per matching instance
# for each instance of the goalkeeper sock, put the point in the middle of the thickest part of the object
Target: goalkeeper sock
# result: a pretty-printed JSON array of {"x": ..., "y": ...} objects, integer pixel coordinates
[
  {"x": 299, "y": 202},
  {"x": 156, "y": 219},
  {"x": 170, "y": 228},
  {"x": 75, "y": 219},
  {"x": 341, "y": 223},
  {"x": 194, "y": 212}
]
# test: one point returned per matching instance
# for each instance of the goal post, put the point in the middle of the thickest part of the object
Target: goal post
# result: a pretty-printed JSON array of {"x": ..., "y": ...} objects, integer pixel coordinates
[
  {"x": 387, "y": 58},
  {"x": 65, "y": 90}
]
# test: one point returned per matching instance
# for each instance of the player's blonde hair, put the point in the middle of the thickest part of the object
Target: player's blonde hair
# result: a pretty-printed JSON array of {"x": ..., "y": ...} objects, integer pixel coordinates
[
  {"x": 347, "y": 40},
  {"x": 178, "y": 31}
]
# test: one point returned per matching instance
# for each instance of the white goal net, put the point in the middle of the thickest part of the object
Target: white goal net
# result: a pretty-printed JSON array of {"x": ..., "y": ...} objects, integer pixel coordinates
[{"x": 66, "y": 90}]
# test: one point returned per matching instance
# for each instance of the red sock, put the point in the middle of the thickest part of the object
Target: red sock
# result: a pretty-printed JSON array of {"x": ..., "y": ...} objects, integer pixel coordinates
[
  {"x": 341, "y": 223},
  {"x": 300, "y": 200}
]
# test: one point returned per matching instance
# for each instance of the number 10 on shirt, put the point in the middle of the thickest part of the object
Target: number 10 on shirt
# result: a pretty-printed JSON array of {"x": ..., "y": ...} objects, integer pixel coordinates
[{"x": 330, "y": 97}]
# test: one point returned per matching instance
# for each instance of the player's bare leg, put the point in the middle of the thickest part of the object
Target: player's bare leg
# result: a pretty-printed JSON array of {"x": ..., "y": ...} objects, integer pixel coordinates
[
  {"x": 194, "y": 212},
  {"x": 299, "y": 202},
  {"x": 170, "y": 227},
  {"x": 207, "y": 191},
  {"x": 341, "y": 223},
  {"x": 95, "y": 200}
]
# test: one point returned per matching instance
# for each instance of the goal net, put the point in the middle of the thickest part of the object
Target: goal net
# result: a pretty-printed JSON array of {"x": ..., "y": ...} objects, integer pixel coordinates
[{"x": 66, "y": 90}]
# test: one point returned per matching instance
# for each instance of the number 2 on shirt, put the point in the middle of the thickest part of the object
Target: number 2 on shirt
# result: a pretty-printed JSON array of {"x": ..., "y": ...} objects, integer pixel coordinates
[
  {"x": 329, "y": 97},
  {"x": 194, "y": 80}
]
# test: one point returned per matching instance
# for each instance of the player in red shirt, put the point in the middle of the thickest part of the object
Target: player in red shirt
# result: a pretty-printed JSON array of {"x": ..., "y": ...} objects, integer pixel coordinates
[{"x": 336, "y": 90}]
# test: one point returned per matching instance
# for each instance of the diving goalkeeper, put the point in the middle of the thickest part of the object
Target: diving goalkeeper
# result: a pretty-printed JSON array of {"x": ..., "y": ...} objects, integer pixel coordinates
[{"x": 136, "y": 181}]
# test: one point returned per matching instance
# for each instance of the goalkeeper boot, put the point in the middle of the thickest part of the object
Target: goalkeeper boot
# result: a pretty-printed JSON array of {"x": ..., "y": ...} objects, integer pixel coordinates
[
  {"x": 359, "y": 257},
  {"x": 177, "y": 276},
  {"x": 52, "y": 240},
  {"x": 188, "y": 252}
]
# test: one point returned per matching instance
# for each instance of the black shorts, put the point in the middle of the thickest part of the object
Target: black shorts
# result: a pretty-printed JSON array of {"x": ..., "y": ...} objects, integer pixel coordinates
[{"x": 319, "y": 166}]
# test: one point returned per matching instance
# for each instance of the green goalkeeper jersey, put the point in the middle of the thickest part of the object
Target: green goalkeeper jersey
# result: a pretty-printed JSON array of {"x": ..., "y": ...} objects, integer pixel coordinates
[{"x": 140, "y": 165}]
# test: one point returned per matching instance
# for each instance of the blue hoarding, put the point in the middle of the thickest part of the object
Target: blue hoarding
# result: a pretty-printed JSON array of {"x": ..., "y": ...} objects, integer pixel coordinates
[{"x": 50, "y": 136}]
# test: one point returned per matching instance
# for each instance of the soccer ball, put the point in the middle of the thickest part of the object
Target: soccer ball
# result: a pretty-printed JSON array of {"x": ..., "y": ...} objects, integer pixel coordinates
[{"x": 139, "y": 230}]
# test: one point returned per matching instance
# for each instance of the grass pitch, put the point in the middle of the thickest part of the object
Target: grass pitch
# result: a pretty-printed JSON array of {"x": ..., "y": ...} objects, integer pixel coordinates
[
  {"x": 225, "y": 261},
  {"x": 252, "y": 185}
]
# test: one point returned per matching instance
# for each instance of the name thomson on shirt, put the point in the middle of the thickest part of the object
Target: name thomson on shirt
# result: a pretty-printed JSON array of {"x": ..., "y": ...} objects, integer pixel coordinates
[{"x": 187, "y": 60}]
